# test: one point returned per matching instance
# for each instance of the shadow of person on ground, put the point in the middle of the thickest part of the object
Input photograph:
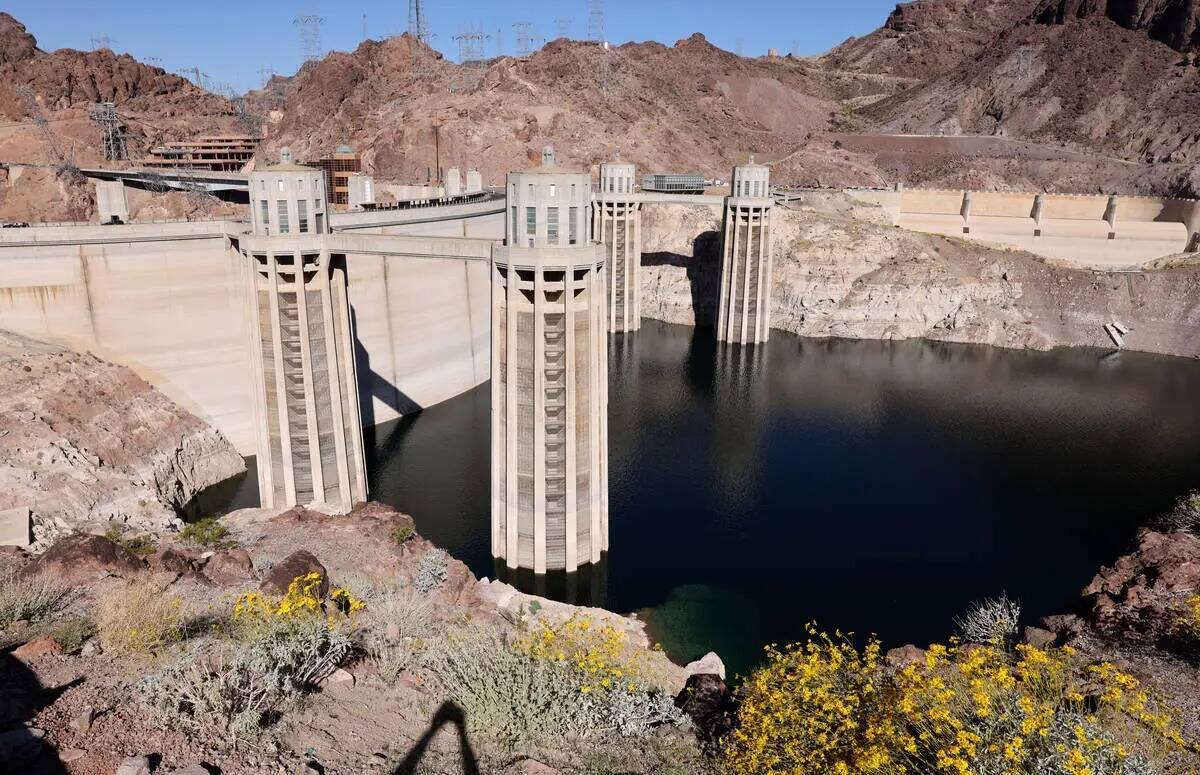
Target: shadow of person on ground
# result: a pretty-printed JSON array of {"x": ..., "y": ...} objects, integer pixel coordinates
[
  {"x": 21, "y": 697},
  {"x": 449, "y": 713}
]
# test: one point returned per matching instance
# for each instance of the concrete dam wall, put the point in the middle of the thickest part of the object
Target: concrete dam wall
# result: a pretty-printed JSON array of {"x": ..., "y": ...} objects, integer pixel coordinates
[
  {"x": 170, "y": 301},
  {"x": 1095, "y": 231}
]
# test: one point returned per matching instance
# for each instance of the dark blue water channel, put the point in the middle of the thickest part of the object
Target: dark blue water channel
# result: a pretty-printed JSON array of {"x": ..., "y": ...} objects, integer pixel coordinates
[{"x": 875, "y": 487}]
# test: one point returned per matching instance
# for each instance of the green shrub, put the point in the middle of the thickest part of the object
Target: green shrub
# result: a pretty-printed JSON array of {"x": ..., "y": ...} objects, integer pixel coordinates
[
  {"x": 235, "y": 689},
  {"x": 140, "y": 544},
  {"x": 69, "y": 632},
  {"x": 991, "y": 622},
  {"x": 1185, "y": 516},
  {"x": 31, "y": 598},
  {"x": 402, "y": 532},
  {"x": 402, "y": 623},
  {"x": 431, "y": 571},
  {"x": 207, "y": 532},
  {"x": 521, "y": 700}
]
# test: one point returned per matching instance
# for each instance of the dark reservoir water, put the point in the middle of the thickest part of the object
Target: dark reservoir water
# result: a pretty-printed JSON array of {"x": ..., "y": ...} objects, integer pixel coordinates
[{"x": 874, "y": 487}]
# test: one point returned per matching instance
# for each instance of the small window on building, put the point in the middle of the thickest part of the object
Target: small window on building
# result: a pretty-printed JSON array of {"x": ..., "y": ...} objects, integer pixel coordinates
[
  {"x": 531, "y": 191},
  {"x": 266, "y": 216},
  {"x": 573, "y": 194},
  {"x": 320, "y": 223},
  {"x": 515, "y": 225},
  {"x": 531, "y": 220},
  {"x": 262, "y": 185},
  {"x": 282, "y": 207},
  {"x": 553, "y": 188},
  {"x": 573, "y": 226},
  {"x": 302, "y": 215},
  {"x": 552, "y": 225},
  {"x": 281, "y": 185}
]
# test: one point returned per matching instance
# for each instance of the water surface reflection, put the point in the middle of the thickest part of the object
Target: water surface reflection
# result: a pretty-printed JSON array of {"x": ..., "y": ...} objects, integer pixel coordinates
[{"x": 872, "y": 486}]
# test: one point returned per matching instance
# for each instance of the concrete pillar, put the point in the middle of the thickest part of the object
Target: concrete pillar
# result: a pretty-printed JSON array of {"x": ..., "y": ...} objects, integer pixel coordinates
[
  {"x": 474, "y": 182},
  {"x": 361, "y": 190},
  {"x": 965, "y": 212},
  {"x": 1039, "y": 201},
  {"x": 744, "y": 304},
  {"x": 549, "y": 377},
  {"x": 111, "y": 203},
  {"x": 1110, "y": 216},
  {"x": 310, "y": 443},
  {"x": 617, "y": 224},
  {"x": 453, "y": 182}
]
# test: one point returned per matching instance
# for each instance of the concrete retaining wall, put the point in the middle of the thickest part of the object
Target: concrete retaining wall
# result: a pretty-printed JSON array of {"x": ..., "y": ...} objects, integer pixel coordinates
[{"x": 1068, "y": 228}]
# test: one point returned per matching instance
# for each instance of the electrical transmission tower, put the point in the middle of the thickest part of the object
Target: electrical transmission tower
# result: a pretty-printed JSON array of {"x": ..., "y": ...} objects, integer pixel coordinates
[
  {"x": 62, "y": 162},
  {"x": 153, "y": 61},
  {"x": 418, "y": 23},
  {"x": 470, "y": 58},
  {"x": 309, "y": 25},
  {"x": 195, "y": 75},
  {"x": 596, "y": 21},
  {"x": 101, "y": 41},
  {"x": 104, "y": 115},
  {"x": 524, "y": 32},
  {"x": 562, "y": 27}
]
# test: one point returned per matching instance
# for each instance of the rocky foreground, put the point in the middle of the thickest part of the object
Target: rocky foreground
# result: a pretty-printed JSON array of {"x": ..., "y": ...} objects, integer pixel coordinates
[
  {"x": 83, "y": 441},
  {"x": 842, "y": 270}
]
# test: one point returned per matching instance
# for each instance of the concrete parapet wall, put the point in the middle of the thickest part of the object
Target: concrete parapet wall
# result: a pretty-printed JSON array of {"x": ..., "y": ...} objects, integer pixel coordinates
[{"x": 1093, "y": 231}]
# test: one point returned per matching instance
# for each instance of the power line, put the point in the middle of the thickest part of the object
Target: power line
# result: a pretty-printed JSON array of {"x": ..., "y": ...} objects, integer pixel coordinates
[{"x": 596, "y": 21}]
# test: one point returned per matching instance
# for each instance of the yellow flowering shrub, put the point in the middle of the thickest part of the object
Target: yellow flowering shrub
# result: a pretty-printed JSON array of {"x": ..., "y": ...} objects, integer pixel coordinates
[
  {"x": 815, "y": 707},
  {"x": 601, "y": 653},
  {"x": 302, "y": 600},
  {"x": 827, "y": 706},
  {"x": 1190, "y": 622}
]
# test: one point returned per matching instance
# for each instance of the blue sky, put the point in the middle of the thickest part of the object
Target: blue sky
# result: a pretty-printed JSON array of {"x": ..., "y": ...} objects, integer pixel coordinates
[{"x": 231, "y": 40}]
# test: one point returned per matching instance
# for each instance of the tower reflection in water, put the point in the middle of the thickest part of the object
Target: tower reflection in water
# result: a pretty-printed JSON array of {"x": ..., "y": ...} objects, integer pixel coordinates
[
  {"x": 587, "y": 586},
  {"x": 740, "y": 410}
]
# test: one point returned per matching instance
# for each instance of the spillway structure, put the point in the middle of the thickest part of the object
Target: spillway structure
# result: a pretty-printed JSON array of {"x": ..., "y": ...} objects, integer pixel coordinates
[
  {"x": 617, "y": 224},
  {"x": 549, "y": 376},
  {"x": 308, "y": 422},
  {"x": 744, "y": 304}
]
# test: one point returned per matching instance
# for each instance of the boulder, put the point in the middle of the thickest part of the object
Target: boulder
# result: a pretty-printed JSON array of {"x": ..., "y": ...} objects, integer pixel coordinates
[
  {"x": 79, "y": 558},
  {"x": 83, "y": 722},
  {"x": 37, "y": 648},
  {"x": 134, "y": 765},
  {"x": 904, "y": 656},
  {"x": 172, "y": 561},
  {"x": 192, "y": 769},
  {"x": 68, "y": 755},
  {"x": 531, "y": 767},
  {"x": 706, "y": 699},
  {"x": 709, "y": 664},
  {"x": 230, "y": 566},
  {"x": 1039, "y": 638},
  {"x": 1139, "y": 597},
  {"x": 295, "y": 564}
]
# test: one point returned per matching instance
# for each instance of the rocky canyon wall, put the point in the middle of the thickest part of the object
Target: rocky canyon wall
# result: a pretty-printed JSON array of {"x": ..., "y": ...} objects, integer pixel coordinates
[
  {"x": 83, "y": 440},
  {"x": 842, "y": 270}
]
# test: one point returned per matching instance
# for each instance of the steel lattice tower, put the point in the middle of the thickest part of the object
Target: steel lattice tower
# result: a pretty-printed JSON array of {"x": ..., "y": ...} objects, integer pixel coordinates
[
  {"x": 310, "y": 36},
  {"x": 113, "y": 136}
]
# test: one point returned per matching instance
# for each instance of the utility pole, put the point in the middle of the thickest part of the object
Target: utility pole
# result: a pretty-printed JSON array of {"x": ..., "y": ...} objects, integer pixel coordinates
[
  {"x": 197, "y": 77},
  {"x": 437, "y": 151},
  {"x": 418, "y": 23}
]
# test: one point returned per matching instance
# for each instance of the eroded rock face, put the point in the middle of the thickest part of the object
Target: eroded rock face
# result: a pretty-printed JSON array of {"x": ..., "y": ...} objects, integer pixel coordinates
[
  {"x": 1140, "y": 597},
  {"x": 842, "y": 270},
  {"x": 85, "y": 441},
  {"x": 1174, "y": 22}
]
